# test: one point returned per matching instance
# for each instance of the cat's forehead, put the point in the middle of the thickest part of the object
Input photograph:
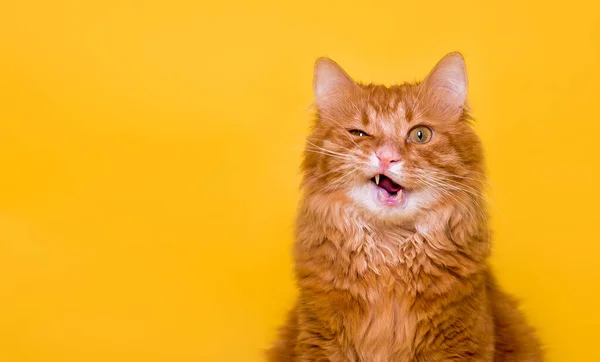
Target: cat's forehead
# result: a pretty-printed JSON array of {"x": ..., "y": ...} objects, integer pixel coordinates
[{"x": 390, "y": 110}]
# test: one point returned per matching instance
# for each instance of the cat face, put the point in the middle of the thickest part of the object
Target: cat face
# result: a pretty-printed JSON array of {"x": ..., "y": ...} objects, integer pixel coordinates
[{"x": 394, "y": 151}]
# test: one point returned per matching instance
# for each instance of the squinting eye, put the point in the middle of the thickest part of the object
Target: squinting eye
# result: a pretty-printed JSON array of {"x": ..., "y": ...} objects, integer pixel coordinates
[
  {"x": 358, "y": 133},
  {"x": 420, "y": 134}
]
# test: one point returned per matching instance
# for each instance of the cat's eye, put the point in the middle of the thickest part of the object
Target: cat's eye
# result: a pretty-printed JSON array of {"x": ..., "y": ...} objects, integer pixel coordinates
[
  {"x": 420, "y": 134},
  {"x": 358, "y": 133}
]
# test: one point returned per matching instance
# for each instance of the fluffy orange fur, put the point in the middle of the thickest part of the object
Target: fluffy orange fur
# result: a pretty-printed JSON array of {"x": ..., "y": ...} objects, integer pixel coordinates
[{"x": 398, "y": 277}]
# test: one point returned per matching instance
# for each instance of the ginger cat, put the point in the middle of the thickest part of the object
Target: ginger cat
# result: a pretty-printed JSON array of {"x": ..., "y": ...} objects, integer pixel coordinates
[{"x": 392, "y": 239}]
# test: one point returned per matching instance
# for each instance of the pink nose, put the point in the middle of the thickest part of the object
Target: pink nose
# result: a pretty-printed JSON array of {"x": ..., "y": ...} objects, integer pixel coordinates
[{"x": 387, "y": 155}]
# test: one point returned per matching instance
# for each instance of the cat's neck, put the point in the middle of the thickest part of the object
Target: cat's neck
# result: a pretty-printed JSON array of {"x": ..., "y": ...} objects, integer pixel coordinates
[{"x": 336, "y": 239}]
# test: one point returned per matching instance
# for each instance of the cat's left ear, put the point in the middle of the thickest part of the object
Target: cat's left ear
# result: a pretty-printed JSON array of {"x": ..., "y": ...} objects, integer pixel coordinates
[{"x": 446, "y": 87}]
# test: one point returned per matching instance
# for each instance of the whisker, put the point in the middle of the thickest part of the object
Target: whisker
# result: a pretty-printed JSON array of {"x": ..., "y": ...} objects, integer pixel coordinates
[
  {"x": 324, "y": 149},
  {"x": 442, "y": 177},
  {"x": 461, "y": 191},
  {"x": 340, "y": 169},
  {"x": 479, "y": 179},
  {"x": 344, "y": 157},
  {"x": 458, "y": 185},
  {"x": 333, "y": 185},
  {"x": 441, "y": 192},
  {"x": 349, "y": 159}
]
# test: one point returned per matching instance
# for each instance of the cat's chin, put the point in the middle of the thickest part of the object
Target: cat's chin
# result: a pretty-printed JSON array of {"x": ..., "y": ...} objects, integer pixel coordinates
[{"x": 381, "y": 202}]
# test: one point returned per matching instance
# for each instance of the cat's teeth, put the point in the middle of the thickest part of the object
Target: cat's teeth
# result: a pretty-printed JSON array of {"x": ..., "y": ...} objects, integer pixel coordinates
[
  {"x": 377, "y": 179},
  {"x": 382, "y": 195},
  {"x": 399, "y": 195}
]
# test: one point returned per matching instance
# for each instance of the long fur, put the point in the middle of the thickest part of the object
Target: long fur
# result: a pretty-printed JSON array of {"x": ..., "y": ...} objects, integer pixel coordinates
[{"x": 397, "y": 285}]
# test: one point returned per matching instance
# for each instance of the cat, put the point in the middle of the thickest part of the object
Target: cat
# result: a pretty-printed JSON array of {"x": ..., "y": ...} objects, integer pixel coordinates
[{"x": 392, "y": 240}]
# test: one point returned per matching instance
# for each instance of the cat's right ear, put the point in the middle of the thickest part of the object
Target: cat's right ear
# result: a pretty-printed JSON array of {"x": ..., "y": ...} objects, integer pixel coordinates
[{"x": 331, "y": 84}]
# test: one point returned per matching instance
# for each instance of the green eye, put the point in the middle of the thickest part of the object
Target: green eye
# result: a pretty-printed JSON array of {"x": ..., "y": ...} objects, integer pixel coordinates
[
  {"x": 420, "y": 134},
  {"x": 358, "y": 133}
]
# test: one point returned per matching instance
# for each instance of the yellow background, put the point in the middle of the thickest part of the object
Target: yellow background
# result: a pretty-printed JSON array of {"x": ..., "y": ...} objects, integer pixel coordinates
[{"x": 149, "y": 157}]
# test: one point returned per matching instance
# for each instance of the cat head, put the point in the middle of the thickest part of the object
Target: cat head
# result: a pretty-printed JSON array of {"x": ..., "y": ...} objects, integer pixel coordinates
[{"x": 394, "y": 152}]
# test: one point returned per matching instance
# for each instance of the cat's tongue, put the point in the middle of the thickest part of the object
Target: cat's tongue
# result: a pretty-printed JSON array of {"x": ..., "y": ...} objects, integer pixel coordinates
[{"x": 388, "y": 185}]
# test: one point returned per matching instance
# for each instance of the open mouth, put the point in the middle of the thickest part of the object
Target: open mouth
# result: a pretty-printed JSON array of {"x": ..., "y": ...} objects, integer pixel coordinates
[
  {"x": 388, "y": 192},
  {"x": 386, "y": 183}
]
